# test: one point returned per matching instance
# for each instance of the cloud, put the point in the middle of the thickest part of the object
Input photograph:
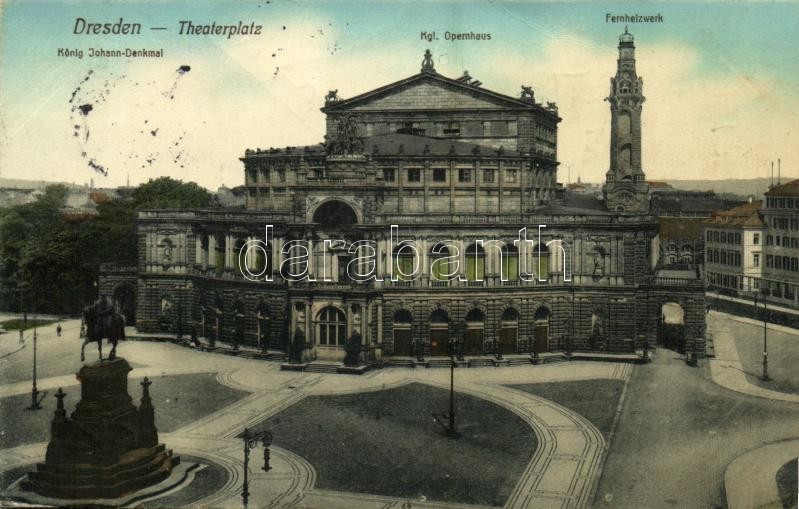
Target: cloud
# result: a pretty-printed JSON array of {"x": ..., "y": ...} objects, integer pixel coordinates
[{"x": 267, "y": 91}]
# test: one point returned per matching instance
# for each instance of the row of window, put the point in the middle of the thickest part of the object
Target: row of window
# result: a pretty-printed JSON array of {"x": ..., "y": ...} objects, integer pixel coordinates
[
  {"x": 782, "y": 241},
  {"x": 728, "y": 281},
  {"x": 493, "y": 128},
  {"x": 774, "y": 288},
  {"x": 728, "y": 237},
  {"x": 784, "y": 223},
  {"x": 723, "y": 257},
  {"x": 790, "y": 263},
  {"x": 465, "y": 175},
  {"x": 782, "y": 203}
]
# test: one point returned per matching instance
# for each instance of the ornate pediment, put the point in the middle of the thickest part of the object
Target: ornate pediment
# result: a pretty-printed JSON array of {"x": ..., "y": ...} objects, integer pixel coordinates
[{"x": 428, "y": 91}]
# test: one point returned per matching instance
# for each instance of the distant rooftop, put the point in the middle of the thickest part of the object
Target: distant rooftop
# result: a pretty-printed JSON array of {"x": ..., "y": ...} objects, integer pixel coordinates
[
  {"x": 747, "y": 214},
  {"x": 788, "y": 189}
]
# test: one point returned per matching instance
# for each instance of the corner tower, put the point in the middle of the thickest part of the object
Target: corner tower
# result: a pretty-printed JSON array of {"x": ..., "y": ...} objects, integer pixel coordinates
[{"x": 625, "y": 189}]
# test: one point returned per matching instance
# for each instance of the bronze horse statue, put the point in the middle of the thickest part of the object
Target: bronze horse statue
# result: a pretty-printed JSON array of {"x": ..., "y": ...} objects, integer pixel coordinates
[{"x": 103, "y": 321}]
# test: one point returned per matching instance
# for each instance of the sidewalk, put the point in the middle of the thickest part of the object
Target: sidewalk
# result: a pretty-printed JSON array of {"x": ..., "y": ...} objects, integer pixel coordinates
[
  {"x": 727, "y": 370},
  {"x": 750, "y": 480}
]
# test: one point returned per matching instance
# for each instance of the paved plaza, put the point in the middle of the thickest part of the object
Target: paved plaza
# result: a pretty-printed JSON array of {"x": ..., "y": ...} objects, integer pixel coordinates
[{"x": 667, "y": 439}]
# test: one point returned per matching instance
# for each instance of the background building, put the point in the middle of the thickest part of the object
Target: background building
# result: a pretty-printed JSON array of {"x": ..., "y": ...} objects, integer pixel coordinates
[{"x": 754, "y": 248}]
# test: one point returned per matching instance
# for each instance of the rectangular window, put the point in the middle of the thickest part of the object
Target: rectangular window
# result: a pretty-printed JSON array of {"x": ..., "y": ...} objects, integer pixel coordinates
[
  {"x": 439, "y": 175},
  {"x": 510, "y": 176},
  {"x": 453, "y": 129},
  {"x": 487, "y": 128},
  {"x": 756, "y": 259},
  {"x": 464, "y": 175},
  {"x": 488, "y": 176},
  {"x": 756, "y": 239},
  {"x": 389, "y": 175},
  {"x": 414, "y": 175}
]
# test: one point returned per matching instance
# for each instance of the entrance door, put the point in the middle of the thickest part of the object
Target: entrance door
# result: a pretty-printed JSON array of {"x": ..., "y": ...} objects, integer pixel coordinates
[
  {"x": 402, "y": 342},
  {"x": 507, "y": 340},
  {"x": 438, "y": 341},
  {"x": 473, "y": 341},
  {"x": 541, "y": 338}
]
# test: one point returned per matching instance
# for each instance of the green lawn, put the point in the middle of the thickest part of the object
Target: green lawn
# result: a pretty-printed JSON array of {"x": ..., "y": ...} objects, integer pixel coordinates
[
  {"x": 18, "y": 323},
  {"x": 387, "y": 443},
  {"x": 178, "y": 401},
  {"x": 596, "y": 400}
]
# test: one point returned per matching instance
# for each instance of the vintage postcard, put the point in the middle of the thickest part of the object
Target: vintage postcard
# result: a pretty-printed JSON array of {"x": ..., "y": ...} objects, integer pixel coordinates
[{"x": 399, "y": 254}]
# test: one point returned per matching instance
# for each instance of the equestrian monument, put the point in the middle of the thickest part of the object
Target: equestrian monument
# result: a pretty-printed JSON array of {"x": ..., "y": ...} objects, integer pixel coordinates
[{"x": 107, "y": 448}]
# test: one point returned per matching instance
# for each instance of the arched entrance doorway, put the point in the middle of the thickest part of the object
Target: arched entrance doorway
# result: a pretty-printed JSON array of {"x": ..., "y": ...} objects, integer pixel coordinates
[
  {"x": 473, "y": 337},
  {"x": 402, "y": 333},
  {"x": 439, "y": 332},
  {"x": 541, "y": 330},
  {"x": 331, "y": 327},
  {"x": 509, "y": 332},
  {"x": 671, "y": 327}
]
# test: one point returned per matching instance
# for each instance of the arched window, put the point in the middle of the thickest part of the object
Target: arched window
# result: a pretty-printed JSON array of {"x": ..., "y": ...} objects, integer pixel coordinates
[
  {"x": 510, "y": 263},
  {"x": 475, "y": 315},
  {"x": 331, "y": 327},
  {"x": 541, "y": 261},
  {"x": 335, "y": 214},
  {"x": 403, "y": 316},
  {"x": 510, "y": 315},
  {"x": 475, "y": 263},
  {"x": 439, "y": 265},
  {"x": 237, "y": 258},
  {"x": 439, "y": 316},
  {"x": 404, "y": 262},
  {"x": 260, "y": 259}
]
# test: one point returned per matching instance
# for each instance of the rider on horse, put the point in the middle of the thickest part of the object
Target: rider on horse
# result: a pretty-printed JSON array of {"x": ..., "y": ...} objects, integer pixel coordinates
[{"x": 102, "y": 321}]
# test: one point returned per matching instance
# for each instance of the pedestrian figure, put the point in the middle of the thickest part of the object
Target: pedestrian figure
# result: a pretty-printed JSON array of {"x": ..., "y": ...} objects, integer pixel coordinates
[
  {"x": 21, "y": 339},
  {"x": 58, "y": 330}
]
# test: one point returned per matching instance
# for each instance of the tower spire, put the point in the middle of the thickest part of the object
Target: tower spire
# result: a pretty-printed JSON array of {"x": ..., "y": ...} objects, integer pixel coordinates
[{"x": 625, "y": 187}]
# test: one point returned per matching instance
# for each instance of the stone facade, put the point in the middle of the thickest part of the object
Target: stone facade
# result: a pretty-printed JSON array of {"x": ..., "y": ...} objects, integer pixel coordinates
[{"x": 446, "y": 162}]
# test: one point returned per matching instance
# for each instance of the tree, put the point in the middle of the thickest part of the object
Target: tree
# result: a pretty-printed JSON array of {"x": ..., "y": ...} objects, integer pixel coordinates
[
  {"x": 55, "y": 257},
  {"x": 168, "y": 193}
]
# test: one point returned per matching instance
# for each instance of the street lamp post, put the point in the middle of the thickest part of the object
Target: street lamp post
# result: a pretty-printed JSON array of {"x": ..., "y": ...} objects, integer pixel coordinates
[
  {"x": 573, "y": 318},
  {"x": 35, "y": 401},
  {"x": 251, "y": 442},
  {"x": 765, "y": 376},
  {"x": 449, "y": 428}
]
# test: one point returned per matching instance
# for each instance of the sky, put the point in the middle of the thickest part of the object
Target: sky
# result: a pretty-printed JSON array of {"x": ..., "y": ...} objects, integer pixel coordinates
[{"x": 721, "y": 81}]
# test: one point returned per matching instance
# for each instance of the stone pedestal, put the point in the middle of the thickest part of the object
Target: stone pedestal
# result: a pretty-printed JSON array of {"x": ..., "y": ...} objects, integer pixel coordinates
[{"x": 107, "y": 447}]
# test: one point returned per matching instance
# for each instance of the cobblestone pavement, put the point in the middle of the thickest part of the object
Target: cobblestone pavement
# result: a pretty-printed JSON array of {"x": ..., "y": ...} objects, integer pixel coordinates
[{"x": 562, "y": 472}]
